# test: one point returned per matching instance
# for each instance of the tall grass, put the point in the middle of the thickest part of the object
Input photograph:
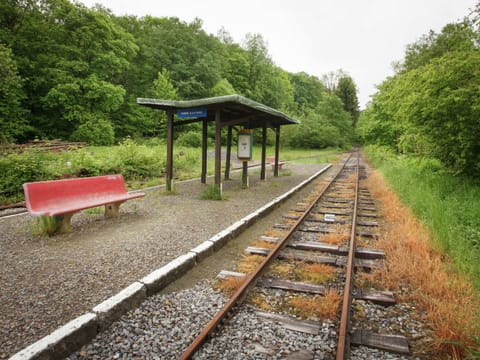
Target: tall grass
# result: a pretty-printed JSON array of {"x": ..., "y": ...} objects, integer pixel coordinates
[{"x": 448, "y": 205}]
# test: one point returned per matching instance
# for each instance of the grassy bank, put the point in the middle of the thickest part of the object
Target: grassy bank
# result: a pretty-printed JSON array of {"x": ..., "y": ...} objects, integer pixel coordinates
[
  {"x": 448, "y": 205},
  {"x": 140, "y": 165}
]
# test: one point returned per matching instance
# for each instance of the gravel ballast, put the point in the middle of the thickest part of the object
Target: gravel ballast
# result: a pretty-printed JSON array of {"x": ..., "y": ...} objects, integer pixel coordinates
[{"x": 47, "y": 282}]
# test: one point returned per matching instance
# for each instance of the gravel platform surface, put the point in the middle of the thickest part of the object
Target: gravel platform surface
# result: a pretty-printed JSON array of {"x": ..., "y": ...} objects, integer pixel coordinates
[{"x": 46, "y": 282}]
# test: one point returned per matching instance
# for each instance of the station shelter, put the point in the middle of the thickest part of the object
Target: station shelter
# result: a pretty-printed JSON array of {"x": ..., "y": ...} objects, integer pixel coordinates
[{"x": 233, "y": 112}]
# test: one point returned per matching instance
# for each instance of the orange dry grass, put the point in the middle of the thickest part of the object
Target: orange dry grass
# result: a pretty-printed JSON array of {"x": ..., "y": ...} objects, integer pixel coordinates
[
  {"x": 275, "y": 233},
  {"x": 321, "y": 307},
  {"x": 295, "y": 213},
  {"x": 249, "y": 263},
  {"x": 230, "y": 285},
  {"x": 260, "y": 302},
  {"x": 317, "y": 273},
  {"x": 283, "y": 268},
  {"x": 333, "y": 238},
  {"x": 448, "y": 299},
  {"x": 263, "y": 244}
]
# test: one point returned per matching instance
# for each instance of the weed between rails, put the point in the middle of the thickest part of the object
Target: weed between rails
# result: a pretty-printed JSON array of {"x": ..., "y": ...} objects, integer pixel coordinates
[
  {"x": 320, "y": 307},
  {"x": 448, "y": 299}
]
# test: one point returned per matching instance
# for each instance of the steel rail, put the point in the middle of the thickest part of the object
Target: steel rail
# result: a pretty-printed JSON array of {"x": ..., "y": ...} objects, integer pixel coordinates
[
  {"x": 343, "y": 345},
  {"x": 251, "y": 279}
]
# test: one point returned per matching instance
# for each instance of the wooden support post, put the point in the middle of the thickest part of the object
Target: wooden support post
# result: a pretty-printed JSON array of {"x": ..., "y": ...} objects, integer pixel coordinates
[
  {"x": 264, "y": 152},
  {"x": 244, "y": 174},
  {"x": 277, "y": 149},
  {"x": 169, "y": 172},
  {"x": 229, "y": 153},
  {"x": 112, "y": 210},
  {"x": 218, "y": 150},
  {"x": 62, "y": 223},
  {"x": 204, "y": 151}
]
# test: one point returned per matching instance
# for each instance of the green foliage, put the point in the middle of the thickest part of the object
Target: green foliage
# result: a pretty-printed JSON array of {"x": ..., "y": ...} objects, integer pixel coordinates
[
  {"x": 95, "y": 132},
  {"x": 12, "y": 115},
  {"x": 138, "y": 161},
  {"x": 45, "y": 225},
  {"x": 211, "y": 192},
  {"x": 448, "y": 205},
  {"x": 346, "y": 90},
  {"x": 67, "y": 66},
  {"x": 308, "y": 90},
  {"x": 453, "y": 37},
  {"x": 431, "y": 107},
  {"x": 223, "y": 87},
  {"x": 163, "y": 87},
  {"x": 326, "y": 126},
  {"x": 17, "y": 169},
  {"x": 190, "y": 139}
]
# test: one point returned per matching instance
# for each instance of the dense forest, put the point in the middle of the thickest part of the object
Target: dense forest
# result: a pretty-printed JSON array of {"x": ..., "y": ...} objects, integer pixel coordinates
[
  {"x": 430, "y": 107},
  {"x": 74, "y": 73}
]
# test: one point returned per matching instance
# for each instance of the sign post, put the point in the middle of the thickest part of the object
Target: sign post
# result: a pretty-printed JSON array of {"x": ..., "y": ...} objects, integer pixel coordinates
[{"x": 244, "y": 152}]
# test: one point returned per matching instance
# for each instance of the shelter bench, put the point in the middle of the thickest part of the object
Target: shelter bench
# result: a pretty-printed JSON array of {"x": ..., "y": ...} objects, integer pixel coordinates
[
  {"x": 271, "y": 160},
  {"x": 61, "y": 199}
]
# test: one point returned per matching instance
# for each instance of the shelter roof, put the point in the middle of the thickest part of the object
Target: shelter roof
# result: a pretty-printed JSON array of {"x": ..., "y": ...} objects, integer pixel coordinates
[{"x": 234, "y": 109}]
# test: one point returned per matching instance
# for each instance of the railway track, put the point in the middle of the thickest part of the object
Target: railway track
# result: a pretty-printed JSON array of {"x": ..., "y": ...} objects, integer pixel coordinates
[{"x": 340, "y": 210}]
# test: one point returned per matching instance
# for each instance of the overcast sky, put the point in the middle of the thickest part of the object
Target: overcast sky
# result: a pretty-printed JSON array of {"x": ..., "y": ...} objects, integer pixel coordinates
[{"x": 362, "y": 37}]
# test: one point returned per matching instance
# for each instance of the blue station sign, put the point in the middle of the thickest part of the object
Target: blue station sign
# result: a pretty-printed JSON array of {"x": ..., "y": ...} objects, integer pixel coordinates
[{"x": 192, "y": 113}]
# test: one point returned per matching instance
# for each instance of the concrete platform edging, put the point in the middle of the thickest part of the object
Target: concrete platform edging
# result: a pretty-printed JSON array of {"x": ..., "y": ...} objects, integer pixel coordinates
[
  {"x": 114, "y": 307},
  {"x": 84, "y": 328},
  {"x": 203, "y": 250},
  {"x": 62, "y": 341},
  {"x": 163, "y": 276}
]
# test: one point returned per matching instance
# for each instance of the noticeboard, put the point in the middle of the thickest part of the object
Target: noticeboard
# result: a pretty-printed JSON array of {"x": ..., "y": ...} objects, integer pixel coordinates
[{"x": 245, "y": 144}]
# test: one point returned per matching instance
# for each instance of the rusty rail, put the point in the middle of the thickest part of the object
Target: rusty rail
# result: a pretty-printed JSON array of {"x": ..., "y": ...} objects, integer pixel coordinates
[
  {"x": 251, "y": 279},
  {"x": 344, "y": 337}
]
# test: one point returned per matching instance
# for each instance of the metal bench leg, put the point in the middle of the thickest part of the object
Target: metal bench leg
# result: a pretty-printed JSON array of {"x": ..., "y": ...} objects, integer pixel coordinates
[{"x": 112, "y": 210}]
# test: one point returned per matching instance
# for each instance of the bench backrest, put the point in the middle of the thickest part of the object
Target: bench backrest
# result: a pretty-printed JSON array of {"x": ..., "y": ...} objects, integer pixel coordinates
[{"x": 40, "y": 193}]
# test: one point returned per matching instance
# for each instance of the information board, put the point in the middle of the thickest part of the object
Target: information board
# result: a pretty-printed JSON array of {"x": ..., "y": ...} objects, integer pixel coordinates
[{"x": 244, "y": 144}]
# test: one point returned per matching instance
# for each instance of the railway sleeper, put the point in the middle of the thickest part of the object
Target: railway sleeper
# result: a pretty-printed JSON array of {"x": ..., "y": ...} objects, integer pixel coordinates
[
  {"x": 365, "y": 264},
  {"x": 361, "y": 253},
  {"x": 392, "y": 343},
  {"x": 384, "y": 298},
  {"x": 290, "y": 323},
  {"x": 368, "y": 215}
]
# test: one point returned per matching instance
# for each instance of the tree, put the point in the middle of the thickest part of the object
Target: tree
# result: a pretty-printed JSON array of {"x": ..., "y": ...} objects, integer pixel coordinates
[
  {"x": 347, "y": 92},
  {"x": 326, "y": 125},
  {"x": 13, "y": 124},
  {"x": 330, "y": 79},
  {"x": 258, "y": 64},
  {"x": 308, "y": 90},
  {"x": 223, "y": 87},
  {"x": 74, "y": 61},
  {"x": 453, "y": 37}
]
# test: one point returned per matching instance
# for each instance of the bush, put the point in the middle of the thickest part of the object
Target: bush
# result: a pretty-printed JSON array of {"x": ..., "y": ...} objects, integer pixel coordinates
[
  {"x": 138, "y": 161},
  {"x": 190, "y": 139},
  {"x": 95, "y": 132},
  {"x": 17, "y": 169}
]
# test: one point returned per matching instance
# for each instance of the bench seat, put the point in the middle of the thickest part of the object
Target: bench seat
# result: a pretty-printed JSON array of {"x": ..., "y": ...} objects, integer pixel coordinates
[
  {"x": 271, "y": 160},
  {"x": 62, "y": 198}
]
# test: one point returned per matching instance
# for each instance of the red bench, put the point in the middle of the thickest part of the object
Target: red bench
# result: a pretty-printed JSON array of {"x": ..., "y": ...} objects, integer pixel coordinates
[
  {"x": 271, "y": 160},
  {"x": 63, "y": 198}
]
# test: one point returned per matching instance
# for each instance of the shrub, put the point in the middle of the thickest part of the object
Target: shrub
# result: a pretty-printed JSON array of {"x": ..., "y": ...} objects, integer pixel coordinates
[
  {"x": 17, "y": 169},
  {"x": 95, "y": 132},
  {"x": 190, "y": 139},
  {"x": 212, "y": 192}
]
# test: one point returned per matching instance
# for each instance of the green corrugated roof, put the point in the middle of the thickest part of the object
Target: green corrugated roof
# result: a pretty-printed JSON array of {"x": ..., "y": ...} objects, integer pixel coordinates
[{"x": 232, "y": 106}]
